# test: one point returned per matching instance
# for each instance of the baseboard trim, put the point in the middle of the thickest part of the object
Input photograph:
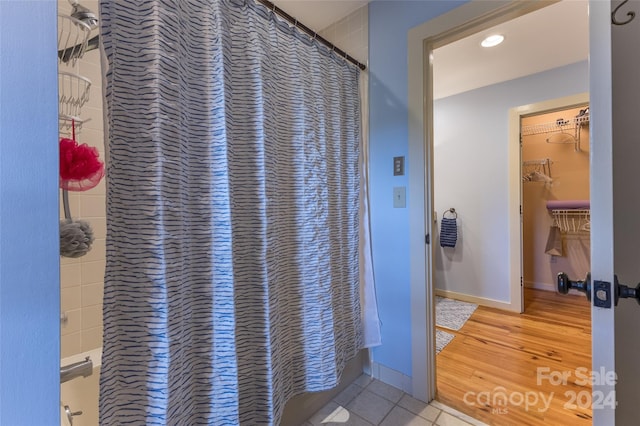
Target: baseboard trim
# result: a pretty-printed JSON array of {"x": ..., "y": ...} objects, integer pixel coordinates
[
  {"x": 549, "y": 287},
  {"x": 482, "y": 301},
  {"x": 539, "y": 286},
  {"x": 392, "y": 377}
]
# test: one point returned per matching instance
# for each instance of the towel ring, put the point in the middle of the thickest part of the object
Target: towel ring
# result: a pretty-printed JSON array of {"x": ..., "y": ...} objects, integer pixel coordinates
[{"x": 451, "y": 211}]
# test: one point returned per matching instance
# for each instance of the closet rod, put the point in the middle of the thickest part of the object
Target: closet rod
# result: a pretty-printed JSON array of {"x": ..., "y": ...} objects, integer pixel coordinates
[{"x": 312, "y": 33}]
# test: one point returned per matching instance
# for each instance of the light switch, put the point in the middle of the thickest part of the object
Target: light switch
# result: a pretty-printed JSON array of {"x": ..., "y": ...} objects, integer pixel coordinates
[
  {"x": 399, "y": 197},
  {"x": 398, "y": 166}
]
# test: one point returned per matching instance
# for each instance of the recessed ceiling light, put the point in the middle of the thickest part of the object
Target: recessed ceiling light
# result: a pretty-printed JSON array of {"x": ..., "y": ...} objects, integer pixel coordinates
[{"x": 492, "y": 40}]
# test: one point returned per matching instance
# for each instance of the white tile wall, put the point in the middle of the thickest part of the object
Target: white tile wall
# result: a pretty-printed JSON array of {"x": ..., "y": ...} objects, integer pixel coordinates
[
  {"x": 351, "y": 34},
  {"x": 82, "y": 279}
]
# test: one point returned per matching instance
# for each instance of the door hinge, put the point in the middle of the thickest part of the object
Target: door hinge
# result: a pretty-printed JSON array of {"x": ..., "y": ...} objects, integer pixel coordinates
[{"x": 427, "y": 240}]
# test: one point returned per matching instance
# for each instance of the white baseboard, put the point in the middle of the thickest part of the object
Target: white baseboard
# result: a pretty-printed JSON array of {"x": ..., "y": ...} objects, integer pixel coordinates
[
  {"x": 540, "y": 286},
  {"x": 549, "y": 287},
  {"x": 482, "y": 301},
  {"x": 392, "y": 377}
]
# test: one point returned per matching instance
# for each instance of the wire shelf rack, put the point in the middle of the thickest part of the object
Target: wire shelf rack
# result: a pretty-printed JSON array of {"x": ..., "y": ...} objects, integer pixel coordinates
[
  {"x": 537, "y": 170},
  {"x": 68, "y": 125},
  {"x": 562, "y": 131},
  {"x": 560, "y": 125},
  {"x": 73, "y": 93},
  {"x": 73, "y": 36}
]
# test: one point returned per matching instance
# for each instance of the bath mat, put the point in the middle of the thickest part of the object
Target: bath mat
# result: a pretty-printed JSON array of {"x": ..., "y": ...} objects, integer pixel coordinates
[
  {"x": 452, "y": 314},
  {"x": 442, "y": 339}
]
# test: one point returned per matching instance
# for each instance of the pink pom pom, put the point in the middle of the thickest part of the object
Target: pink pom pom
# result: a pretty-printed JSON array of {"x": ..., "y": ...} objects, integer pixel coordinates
[{"x": 80, "y": 166}]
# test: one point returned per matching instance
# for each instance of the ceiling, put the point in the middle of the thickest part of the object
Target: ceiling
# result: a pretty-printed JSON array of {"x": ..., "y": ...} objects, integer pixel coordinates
[{"x": 550, "y": 37}]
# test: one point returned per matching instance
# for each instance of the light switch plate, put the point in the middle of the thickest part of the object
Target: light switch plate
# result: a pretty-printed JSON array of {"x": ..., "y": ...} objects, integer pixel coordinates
[
  {"x": 400, "y": 197},
  {"x": 398, "y": 166}
]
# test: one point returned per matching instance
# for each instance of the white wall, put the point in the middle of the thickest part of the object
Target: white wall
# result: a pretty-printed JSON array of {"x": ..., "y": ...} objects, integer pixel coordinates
[{"x": 471, "y": 175}]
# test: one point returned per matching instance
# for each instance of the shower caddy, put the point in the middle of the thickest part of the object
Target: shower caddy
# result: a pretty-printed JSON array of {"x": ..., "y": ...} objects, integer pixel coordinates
[{"x": 73, "y": 89}]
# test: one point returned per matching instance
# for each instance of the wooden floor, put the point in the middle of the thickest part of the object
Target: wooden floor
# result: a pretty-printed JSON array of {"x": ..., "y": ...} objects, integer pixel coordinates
[{"x": 498, "y": 367}]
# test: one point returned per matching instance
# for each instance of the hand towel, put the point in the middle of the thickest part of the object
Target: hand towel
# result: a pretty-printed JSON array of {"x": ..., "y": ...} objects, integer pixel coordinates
[{"x": 448, "y": 232}]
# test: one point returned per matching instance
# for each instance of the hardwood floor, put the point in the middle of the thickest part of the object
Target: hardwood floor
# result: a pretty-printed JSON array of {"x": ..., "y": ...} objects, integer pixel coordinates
[{"x": 521, "y": 369}]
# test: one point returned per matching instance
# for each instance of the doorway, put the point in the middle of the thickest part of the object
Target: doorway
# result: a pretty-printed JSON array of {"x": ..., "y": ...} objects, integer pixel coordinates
[
  {"x": 499, "y": 354},
  {"x": 556, "y": 222},
  {"x": 456, "y": 25}
]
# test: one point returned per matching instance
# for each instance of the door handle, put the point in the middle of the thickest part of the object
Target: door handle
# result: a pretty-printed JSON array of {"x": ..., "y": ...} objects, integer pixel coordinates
[
  {"x": 565, "y": 284},
  {"x": 602, "y": 289},
  {"x": 625, "y": 292}
]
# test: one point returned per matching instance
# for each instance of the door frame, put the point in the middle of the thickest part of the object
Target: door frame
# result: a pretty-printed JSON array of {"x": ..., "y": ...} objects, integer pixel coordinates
[
  {"x": 461, "y": 22},
  {"x": 603, "y": 332}
]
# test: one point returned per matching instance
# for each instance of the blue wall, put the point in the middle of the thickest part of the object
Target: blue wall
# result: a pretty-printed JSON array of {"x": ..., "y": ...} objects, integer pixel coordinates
[
  {"x": 389, "y": 23},
  {"x": 29, "y": 253}
]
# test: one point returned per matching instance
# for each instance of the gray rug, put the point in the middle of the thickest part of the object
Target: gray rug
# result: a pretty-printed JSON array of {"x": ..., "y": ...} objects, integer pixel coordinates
[
  {"x": 452, "y": 314},
  {"x": 442, "y": 339}
]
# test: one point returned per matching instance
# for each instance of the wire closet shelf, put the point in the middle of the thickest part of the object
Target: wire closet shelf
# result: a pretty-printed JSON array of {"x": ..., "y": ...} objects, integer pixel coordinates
[{"x": 562, "y": 131}]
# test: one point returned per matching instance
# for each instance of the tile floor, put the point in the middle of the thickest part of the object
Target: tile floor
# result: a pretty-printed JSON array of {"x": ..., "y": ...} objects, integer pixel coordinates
[{"x": 370, "y": 402}]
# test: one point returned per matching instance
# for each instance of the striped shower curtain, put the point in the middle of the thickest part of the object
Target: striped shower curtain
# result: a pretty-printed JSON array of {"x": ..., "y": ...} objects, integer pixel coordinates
[{"x": 232, "y": 279}]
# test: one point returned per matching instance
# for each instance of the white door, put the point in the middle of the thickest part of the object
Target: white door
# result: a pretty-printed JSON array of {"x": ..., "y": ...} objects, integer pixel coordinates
[{"x": 615, "y": 205}]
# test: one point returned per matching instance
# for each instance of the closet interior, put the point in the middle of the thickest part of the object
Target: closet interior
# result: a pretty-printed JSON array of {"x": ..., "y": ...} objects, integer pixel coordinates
[{"x": 555, "y": 196}]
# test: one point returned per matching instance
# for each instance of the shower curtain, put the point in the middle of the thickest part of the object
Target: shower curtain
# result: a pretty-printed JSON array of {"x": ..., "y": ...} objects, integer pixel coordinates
[{"x": 232, "y": 278}]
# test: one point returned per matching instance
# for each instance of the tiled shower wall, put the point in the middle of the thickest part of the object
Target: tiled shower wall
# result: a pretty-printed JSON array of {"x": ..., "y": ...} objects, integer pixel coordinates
[
  {"x": 351, "y": 34},
  {"x": 82, "y": 279}
]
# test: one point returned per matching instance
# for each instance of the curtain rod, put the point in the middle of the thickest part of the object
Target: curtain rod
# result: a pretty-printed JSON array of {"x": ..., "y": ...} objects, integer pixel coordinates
[{"x": 312, "y": 33}]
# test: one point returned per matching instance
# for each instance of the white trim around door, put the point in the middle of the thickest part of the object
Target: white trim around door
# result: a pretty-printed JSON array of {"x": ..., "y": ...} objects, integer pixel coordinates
[{"x": 460, "y": 22}]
